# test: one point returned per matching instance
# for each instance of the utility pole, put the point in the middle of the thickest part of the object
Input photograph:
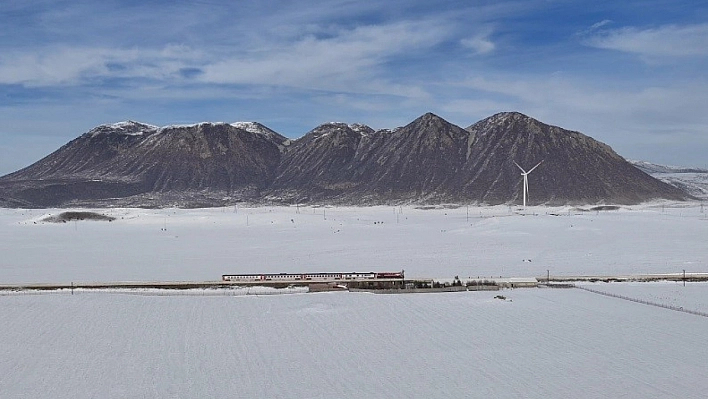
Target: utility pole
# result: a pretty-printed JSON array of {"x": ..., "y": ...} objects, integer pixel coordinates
[
  {"x": 548, "y": 276},
  {"x": 684, "y": 277}
]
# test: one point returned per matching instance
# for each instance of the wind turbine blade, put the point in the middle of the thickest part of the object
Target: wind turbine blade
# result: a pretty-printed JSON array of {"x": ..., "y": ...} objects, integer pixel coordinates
[
  {"x": 517, "y": 165},
  {"x": 534, "y": 167}
]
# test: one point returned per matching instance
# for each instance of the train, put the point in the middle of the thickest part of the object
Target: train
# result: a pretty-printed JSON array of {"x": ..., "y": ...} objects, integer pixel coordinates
[{"x": 325, "y": 277}]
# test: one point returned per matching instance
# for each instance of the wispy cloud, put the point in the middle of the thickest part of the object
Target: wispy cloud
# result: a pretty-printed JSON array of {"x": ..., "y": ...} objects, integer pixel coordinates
[
  {"x": 593, "y": 28},
  {"x": 480, "y": 43},
  {"x": 348, "y": 58},
  {"x": 71, "y": 65},
  {"x": 342, "y": 59},
  {"x": 560, "y": 94},
  {"x": 662, "y": 41}
]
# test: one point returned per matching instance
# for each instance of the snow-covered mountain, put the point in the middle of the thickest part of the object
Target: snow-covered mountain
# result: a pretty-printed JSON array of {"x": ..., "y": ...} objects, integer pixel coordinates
[
  {"x": 691, "y": 180},
  {"x": 429, "y": 160}
]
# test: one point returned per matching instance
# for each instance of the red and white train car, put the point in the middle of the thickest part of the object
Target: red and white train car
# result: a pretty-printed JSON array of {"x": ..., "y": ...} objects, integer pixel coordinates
[{"x": 325, "y": 277}]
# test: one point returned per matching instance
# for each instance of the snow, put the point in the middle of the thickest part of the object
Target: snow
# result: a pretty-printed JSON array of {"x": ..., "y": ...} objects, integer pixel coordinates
[
  {"x": 220, "y": 291},
  {"x": 538, "y": 343},
  {"x": 656, "y": 169},
  {"x": 694, "y": 181},
  {"x": 171, "y": 127},
  {"x": 129, "y": 124},
  {"x": 360, "y": 128},
  {"x": 695, "y": 184},
  {"x": 127, "y": 128},
  {"x": 203, "y": 244},
  {"x": 692, "y": 296},
  {"x": 254, "y": 127}
]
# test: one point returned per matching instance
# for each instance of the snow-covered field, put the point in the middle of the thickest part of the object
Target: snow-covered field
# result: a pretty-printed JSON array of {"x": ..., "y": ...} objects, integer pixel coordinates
[
  {"x": 538, "y": 343},
  {"x": 692, "y": 296},
  {"x": 169, "y": 245}
]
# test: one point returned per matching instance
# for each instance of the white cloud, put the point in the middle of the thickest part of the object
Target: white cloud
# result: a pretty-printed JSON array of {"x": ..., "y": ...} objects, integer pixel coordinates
[
  {"x": 480, "y": 43},
  {"x": 664, "y": 41},
  {"x": 350, "y": 58},
  {"x": 600, "y": 24},
  {"x": 59, "y": 66},
  {"x": 594, "y": 27},
  {"x": 672, "y": 105},
  {"x": 62, "y": 65}
]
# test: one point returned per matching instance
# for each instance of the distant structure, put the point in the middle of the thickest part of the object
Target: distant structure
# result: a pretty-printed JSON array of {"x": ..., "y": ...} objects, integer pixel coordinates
[
  {"x": 327, "y": 277},
  {"x": 370, "y": 280},
  {"x": 525, "y": 174}
]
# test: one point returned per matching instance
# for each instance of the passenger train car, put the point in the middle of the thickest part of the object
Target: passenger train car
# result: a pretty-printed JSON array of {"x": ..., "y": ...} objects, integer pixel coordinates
[{"x": 311, "y": 276}]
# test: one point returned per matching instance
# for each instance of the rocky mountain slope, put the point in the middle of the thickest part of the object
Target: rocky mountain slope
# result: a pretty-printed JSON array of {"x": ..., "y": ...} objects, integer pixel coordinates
[
  {"x": 576, "y": 168},
  {"x": 137, "y": 164},
  {"x": 355, "y": 164},
  {"x": 427, "y": 161}
]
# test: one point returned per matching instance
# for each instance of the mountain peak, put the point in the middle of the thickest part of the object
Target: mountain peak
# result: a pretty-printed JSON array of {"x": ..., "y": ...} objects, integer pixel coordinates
[
  {"x": 258, "y": 128},
  {"x": 328, "y": 128},
  {"x": 515, "y": 124},
  {"x": 430, "y": 160},
  {"x": 252, "y": 127},
  {"x": 429, "y": 116},
  {"x": 430, "y": 121},
  {"x": 129, "y": 127},
  {"x": 510, "y": 117}
]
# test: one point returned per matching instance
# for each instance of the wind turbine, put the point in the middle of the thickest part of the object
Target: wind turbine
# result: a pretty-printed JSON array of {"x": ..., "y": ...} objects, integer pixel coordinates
[{"x": 525, "y": 174}]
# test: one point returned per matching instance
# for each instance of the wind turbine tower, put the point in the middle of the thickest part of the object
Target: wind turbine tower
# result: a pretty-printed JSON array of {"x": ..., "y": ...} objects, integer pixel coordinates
[{"x": 525, "y": 174}]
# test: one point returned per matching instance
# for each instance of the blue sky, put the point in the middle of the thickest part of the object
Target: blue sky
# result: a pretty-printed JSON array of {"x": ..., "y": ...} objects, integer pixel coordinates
[{"x": 629, "y": 73}]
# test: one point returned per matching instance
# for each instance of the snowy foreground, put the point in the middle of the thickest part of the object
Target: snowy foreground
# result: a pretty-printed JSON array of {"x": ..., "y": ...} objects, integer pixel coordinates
[{"x": 538, "y": 343}]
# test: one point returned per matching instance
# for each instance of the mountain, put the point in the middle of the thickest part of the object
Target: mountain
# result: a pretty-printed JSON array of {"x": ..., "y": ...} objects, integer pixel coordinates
[
  {"x": 429, "y": 160},
  {"x": 432, "y": 160},
  {"x": 575, "y": 168},
  {"x": 691, "y": 180},
  {"x": 318, "y": 165},
  {"x": 355, "y": 164},
  {"x": 417, "y": 162},
  {"x": 136, "y": 164}
]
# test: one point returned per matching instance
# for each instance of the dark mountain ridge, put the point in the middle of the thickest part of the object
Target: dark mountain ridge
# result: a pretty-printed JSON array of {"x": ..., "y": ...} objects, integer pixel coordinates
[
  {"x": 427, "y": 161},
  {"x": 576, "y": 168}
]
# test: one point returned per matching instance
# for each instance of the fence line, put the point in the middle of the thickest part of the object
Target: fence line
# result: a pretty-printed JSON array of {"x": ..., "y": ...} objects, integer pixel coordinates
[
  {"x": 252, "y": 291},
  {"x": 650, "y": 303}
]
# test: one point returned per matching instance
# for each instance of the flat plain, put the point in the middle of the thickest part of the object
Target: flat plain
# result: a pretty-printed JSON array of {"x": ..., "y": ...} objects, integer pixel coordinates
[{"x": 542, "y": 343}]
